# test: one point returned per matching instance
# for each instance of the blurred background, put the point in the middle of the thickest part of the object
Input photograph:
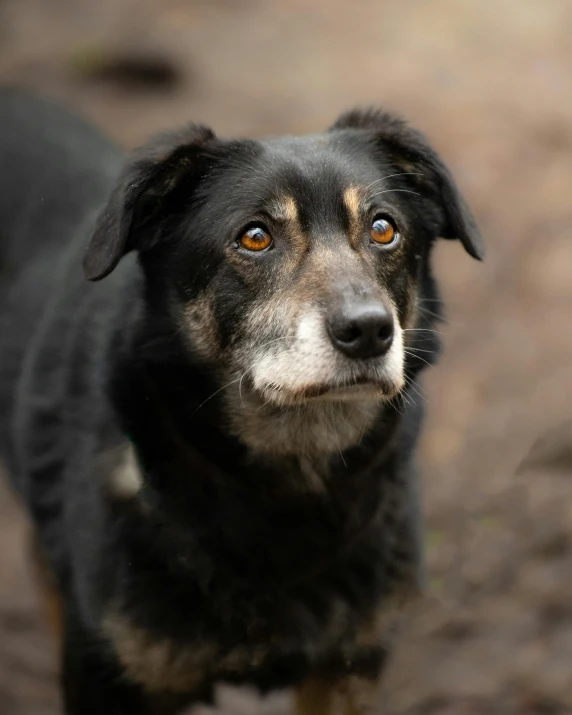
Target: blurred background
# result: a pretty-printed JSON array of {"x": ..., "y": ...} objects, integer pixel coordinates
[{"x": 490, "y": 83}]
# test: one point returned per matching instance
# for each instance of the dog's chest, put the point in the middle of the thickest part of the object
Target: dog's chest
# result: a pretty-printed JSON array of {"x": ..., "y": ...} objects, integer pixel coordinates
[
  {"x": 281, "y": 651},
  {"x": 335, "y": 611}
]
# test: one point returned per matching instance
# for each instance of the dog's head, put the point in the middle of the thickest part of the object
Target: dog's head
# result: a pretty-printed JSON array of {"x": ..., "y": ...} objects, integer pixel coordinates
[{"x": 291, "y": 265}]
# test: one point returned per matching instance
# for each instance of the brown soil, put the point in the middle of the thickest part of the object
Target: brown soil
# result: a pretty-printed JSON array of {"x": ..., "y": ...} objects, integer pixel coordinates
[{"x": 490, "y": 83}]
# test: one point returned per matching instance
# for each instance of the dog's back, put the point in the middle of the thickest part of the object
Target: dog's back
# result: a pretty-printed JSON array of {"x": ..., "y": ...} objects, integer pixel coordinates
[{"x": 55, "y": 170}]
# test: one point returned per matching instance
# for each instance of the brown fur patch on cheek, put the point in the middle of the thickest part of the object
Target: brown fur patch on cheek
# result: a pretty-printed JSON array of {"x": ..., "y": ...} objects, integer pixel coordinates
[
  {"x": 158, "y": 664},
  {"x": 200, "y": 326}
]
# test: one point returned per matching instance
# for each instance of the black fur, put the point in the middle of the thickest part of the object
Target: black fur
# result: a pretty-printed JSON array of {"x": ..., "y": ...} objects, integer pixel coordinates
[{"x": 217, "y": 547}]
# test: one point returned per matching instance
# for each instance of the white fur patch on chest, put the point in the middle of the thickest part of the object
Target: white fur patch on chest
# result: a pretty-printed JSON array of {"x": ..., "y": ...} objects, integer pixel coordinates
[{"x": 123, "y": 479}]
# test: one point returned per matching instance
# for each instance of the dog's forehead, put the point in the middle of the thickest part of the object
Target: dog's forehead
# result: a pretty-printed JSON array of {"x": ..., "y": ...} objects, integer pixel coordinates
[
  {"x": 315, "y": 172},
  {"x": 320, "y": 182},
  {"x": 318, "y": 159}
]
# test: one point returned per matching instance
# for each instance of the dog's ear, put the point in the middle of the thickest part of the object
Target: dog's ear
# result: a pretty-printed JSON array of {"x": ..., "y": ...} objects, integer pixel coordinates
[
  {"x": 410, "y": 150},
  {"x": 150, "y": 188}
]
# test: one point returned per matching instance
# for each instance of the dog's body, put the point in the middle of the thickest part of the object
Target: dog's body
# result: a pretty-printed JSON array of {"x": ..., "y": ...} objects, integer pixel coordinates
[{"x": 221, "y": 494}]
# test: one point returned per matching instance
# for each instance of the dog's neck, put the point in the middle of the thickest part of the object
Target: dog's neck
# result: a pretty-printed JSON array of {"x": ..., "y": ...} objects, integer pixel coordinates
[
  {"x": 192, "y": 467},
  {"x": 188, "y": 461}
]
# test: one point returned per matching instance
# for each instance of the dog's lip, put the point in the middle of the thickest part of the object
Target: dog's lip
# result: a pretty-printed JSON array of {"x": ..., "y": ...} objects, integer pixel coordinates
[
  {"x": 364, "y": 386},
  {"x": 359, "y": 385}
]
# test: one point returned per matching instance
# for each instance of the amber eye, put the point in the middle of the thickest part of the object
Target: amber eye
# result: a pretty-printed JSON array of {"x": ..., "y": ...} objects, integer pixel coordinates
[
  {"x": 255, "y": 239},
  {"x": 383, "y": 231}
]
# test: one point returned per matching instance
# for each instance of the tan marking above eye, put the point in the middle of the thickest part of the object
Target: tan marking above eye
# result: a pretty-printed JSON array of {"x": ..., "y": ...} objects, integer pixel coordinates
[
  {"x": 382, "y": 231},
  {"x": 255, "y": 239},
  {"x": 352, "y": 202},
  {"x": 283, "y": 208}
]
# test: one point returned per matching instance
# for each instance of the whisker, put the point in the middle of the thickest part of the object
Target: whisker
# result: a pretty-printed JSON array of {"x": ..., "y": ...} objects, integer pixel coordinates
[
  {"x": 220, "y": 389},
  {"x": 240, "y": 387},
  {"x": 419, "y": 394},
  {"x": 422, "y": 330},
  {"x": 421, "y": 389},
  {"x": 390, "y": 176},
  {"x": 274, "y": 340},
  {"x": 430, "y": 313},
  {"x": 405, "y": 400},
  {"x": 263, "y": 404},
  {"x": 392, "y": 403},
  {"x": 404, "y": 191},
  {"x": 362, "y": 432},
  {"x": 339, "y": 448},
  {"x": 416, "y": 389},
  {"x": 418, "y": 350},
  {"x": 417, "y": 356}
]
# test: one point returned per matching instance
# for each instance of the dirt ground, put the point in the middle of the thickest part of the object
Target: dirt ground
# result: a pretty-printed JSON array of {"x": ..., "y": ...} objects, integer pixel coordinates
[{"x": 490, "y": 84}]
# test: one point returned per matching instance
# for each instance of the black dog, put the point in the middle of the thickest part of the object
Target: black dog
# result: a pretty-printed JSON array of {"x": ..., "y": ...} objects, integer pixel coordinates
[{"x": 216, "y": 442}]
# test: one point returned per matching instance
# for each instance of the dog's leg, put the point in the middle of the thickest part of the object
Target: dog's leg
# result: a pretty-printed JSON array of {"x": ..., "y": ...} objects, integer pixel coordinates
[
  {"x": 92, "y": 684},
  {"x": 49, "y": 592},
  {"x": 315, "y": 697},
  {"x": 351, "y": 695},
  {"x": 361, "y": 696}
]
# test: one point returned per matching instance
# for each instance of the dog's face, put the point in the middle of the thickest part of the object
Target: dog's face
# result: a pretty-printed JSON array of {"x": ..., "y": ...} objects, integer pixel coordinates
[
  {"x": 292, "y": 266},
  {"x": 311, "y": 264}
]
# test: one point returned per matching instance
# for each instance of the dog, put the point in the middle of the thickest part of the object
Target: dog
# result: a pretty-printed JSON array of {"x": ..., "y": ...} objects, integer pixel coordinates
[{"x": 214, "y": 434}]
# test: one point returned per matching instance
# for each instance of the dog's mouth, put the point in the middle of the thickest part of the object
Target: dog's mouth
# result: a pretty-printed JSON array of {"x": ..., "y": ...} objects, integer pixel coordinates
[
  {"x": 363, "y": 388},
  {"x": 357, "y": 387}
]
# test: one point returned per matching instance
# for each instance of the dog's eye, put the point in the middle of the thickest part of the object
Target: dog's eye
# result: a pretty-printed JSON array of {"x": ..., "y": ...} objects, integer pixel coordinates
[
  {"x": 383, "y": 231},
  {"x": 255, "y": 239}
]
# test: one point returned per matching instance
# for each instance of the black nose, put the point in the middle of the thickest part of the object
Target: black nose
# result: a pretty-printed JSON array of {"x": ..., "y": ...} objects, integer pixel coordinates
[{"x": 362, "y": 331}]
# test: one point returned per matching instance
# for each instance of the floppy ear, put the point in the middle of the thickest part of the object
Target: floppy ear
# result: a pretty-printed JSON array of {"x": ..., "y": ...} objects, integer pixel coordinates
[
  {"x": 154, "y": 181},
  {"x": 409, "y": 149}
]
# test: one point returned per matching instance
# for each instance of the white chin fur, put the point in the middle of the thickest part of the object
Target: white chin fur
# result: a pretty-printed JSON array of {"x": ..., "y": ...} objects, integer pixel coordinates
[{"x": 309, "y": 365}]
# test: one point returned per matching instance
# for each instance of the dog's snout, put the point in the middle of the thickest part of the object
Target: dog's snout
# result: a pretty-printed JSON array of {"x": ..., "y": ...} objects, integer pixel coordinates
[{"x": 362, "y": 331}]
